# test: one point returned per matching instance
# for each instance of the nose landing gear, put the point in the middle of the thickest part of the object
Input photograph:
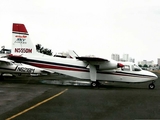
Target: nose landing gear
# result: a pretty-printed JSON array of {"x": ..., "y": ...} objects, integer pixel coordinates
[{"x": 151, "y": 86}]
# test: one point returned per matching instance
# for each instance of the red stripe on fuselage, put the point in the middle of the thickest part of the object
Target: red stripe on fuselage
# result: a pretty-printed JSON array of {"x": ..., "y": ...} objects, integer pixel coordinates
[
  {"x": 132, "y": 75},
  {"x": 42, "y": 65},
  {"x": 57, "y": 67}
]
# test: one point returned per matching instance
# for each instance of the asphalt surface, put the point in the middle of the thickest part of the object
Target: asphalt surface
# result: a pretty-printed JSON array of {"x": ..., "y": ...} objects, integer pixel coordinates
[{"x": 35, "y": 99}]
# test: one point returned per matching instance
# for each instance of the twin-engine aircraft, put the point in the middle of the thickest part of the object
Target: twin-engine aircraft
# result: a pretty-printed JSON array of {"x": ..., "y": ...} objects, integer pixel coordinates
[
  {"x": 10, "y": 66},
  {"x": 94, "y": 69}
]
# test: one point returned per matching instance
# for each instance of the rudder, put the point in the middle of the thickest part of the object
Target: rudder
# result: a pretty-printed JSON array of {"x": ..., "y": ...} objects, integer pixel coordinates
[{"x": 21, "y": 42}]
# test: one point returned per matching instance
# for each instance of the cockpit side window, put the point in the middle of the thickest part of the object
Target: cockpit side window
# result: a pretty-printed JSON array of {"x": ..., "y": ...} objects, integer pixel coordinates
[{"x": 126, "y": 68}]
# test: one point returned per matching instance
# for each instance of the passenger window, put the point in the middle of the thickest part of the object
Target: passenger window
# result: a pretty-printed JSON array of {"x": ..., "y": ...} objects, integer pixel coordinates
[{"x": 126, "y": 68}]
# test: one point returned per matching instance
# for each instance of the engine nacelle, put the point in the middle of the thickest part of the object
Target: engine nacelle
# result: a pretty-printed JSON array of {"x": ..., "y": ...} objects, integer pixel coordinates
[{"x": 110, "y": 65}]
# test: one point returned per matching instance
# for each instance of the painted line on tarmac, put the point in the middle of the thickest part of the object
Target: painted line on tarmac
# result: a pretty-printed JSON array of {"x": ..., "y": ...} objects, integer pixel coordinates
[{"x": 36, "y": 105}]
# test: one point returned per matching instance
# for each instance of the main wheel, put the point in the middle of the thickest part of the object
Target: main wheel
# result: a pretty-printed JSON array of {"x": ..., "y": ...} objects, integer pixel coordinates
[
  {"x": 151, "y": 86},
  {"x": 94, "y": 84}
]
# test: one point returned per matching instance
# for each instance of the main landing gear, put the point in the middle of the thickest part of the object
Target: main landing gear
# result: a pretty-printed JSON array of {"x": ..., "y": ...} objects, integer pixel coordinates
[
  {"x": 95, "y": 84},
  {"x": 151, "y": 86}
]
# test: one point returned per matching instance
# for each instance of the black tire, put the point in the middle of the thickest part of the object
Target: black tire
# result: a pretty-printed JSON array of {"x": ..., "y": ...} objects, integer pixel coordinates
[
  {"x": 94, "y": 84},
  {"x": 151, "y": 86}
]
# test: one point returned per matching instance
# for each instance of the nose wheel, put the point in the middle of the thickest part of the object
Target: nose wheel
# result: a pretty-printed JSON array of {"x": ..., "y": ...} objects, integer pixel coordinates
[{"x": 151, "y": 86}]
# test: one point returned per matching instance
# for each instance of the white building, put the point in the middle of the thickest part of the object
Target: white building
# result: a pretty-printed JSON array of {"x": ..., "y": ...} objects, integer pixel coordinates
[
  {"x": 132, "y": 60},
  {"x": 125, "y": 57},
  {"x": 158, "y": 61},
  {"x": 115, "y": 57}
]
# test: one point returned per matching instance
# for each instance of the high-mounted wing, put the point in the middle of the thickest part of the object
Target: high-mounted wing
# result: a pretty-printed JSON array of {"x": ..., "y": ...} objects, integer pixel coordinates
[
  {"x": 103, "y": 64},
  {"x": 96, "y": 63},
  {"x": 89, "y": 59}
]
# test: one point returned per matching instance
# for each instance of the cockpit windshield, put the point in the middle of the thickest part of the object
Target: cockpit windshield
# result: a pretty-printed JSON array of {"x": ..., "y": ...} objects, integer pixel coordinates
[{"x": 136, "y": 68}]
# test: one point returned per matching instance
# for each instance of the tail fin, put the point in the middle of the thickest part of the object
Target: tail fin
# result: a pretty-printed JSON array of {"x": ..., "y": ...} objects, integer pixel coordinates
[
  {"x": 72, "y": 54},
  {"x": 21, "y": 43}
]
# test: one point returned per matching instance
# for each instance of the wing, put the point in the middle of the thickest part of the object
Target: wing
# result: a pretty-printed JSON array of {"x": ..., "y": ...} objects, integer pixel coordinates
[
  {"x": 92, "y": 59},
  {"x": 101, "y": 63},
  {"x": 95, "y": 64}
]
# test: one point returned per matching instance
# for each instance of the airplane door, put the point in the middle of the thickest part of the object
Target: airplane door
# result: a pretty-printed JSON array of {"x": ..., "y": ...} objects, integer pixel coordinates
[{"x": 124, "y": 70}]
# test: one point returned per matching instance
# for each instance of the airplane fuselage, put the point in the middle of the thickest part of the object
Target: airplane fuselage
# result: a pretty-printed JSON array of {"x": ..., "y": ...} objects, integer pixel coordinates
[
  {"x": 88, "y": 68},
  {"x": 79, "y": 69}
]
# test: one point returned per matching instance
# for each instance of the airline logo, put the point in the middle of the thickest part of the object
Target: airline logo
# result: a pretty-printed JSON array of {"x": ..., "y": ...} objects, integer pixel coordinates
[
  {"x": 21, "y": 39},
  {"x": 23, "y": 50}
]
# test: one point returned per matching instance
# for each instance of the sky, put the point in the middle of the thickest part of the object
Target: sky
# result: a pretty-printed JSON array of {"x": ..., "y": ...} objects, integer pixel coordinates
[{"x": 89, "y": 27}]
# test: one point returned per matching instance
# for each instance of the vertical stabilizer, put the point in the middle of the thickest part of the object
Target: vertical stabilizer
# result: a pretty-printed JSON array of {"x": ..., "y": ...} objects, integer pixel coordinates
[{"x": 21, "y": 43}]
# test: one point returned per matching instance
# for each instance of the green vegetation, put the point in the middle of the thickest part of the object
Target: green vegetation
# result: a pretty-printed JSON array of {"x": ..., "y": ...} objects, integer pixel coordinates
[
  {"x": 140, "y": 65},
  {"x": 43, "y": 50},
  {"x": 145, "y": 65}
]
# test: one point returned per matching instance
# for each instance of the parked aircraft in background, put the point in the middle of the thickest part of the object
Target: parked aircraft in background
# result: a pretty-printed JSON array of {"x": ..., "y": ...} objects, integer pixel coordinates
[
  {"x": 10, "y": 66},
  {"x": 94, "y": 69}
]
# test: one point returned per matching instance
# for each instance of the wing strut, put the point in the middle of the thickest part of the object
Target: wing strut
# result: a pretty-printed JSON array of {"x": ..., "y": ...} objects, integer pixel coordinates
[{"x": 93, "y": 72}]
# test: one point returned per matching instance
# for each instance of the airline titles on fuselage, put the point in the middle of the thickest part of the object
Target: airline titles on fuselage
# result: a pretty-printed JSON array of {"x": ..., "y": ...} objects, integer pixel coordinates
[{"x": 24, "y": 69}]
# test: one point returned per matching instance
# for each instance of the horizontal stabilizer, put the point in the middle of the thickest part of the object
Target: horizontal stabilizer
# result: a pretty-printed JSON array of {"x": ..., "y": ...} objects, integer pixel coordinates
[{"x": 16, "y": 58}]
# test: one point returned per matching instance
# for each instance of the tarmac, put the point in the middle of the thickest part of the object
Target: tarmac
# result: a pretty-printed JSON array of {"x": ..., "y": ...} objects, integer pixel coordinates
[{"x": 59, "y": 97}]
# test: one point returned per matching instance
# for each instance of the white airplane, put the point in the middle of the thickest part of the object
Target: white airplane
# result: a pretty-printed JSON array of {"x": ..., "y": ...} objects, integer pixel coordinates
[
  {"x": 10, "y": 66},
  {"x": 94, "y": 69}
]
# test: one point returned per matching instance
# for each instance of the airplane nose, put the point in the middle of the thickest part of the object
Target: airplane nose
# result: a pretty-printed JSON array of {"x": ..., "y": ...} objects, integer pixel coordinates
[
  {"x": 152, "y": 75},
  {"x": 155, "y": 76}
]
